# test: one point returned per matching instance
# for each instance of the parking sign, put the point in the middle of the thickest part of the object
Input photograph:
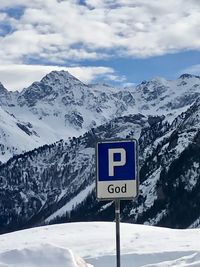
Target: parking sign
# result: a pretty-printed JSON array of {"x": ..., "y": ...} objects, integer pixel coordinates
[{"x": 117, "y": 169}]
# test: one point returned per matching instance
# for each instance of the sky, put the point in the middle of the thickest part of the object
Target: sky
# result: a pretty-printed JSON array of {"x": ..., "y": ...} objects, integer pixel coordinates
[{"x": 119, "y": 42}]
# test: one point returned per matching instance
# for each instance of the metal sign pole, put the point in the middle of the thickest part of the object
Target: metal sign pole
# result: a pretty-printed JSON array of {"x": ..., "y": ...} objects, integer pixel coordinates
[
  {"x": 117, "y": 219},
  {"x": 117, "y": 176}
]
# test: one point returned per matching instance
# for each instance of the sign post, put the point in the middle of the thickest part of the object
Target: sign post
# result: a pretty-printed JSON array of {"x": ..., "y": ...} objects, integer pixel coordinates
[
  {"x": 117, "y": 219},
  {"x": 117, "y": 176}
]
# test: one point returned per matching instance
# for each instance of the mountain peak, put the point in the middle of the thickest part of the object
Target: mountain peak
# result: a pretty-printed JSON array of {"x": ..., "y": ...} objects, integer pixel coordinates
[
  {"x": 51, "y": 86},
  {"x": 154, "y": 81},
  {"x": 59, "y": 77},
  {"x": 3, "y": 90},
  {"x": 188, "y": 76}
]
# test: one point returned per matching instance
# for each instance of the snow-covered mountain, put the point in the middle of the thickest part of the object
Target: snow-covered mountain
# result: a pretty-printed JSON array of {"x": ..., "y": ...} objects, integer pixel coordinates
[
  {"x": 61, "y": 106},
  {"x": 56, "y": 182}
]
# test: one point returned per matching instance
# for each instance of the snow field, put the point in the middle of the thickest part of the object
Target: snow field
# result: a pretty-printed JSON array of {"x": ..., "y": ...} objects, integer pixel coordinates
[{"x": 141, "y": 246}]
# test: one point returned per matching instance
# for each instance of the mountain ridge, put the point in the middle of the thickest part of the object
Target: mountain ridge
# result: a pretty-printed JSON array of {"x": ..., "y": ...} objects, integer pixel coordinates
[{"x": 61, "y": 106}]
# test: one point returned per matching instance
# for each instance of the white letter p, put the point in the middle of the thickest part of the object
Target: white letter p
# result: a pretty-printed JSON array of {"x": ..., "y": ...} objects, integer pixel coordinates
[{"x": 112, "y": 163}]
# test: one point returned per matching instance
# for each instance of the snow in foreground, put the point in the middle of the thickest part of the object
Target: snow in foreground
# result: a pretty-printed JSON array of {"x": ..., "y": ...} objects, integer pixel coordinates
[{"x": 59, "y": 245}]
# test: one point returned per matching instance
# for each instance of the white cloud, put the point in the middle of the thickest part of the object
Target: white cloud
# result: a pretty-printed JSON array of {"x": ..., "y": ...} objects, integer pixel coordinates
[
  {"x": 194, "y": 69},
  {"x": 23, "y": 3},
  {"x": 16, "y": 77},
  {"x": 56, "y": 31}
]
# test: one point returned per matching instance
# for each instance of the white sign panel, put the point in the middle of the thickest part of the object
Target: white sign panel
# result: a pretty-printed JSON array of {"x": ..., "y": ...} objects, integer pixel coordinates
[{"x": 117, "y": 169}]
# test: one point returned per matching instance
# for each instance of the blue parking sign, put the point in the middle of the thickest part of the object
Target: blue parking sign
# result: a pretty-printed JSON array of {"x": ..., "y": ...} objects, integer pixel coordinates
[{"x": 117, "y": 166}]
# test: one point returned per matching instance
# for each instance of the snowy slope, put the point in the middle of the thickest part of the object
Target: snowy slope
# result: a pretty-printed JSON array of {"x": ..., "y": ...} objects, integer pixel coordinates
[
  {"x": 16, "y": 136},
  {"x": 141, "y": 246},
  {"x": 61, "y": 106}
]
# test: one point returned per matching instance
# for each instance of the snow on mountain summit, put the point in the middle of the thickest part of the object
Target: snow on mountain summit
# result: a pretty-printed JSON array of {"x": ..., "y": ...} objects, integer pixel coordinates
[
  {"x": 49, "y": 88},
  {"x": 188, "y": 76},
  {"x": 60, "y": 77}
]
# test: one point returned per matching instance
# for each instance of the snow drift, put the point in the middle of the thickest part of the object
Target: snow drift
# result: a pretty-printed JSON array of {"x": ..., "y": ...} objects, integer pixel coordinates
[{"x": 141, "y": 246}]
